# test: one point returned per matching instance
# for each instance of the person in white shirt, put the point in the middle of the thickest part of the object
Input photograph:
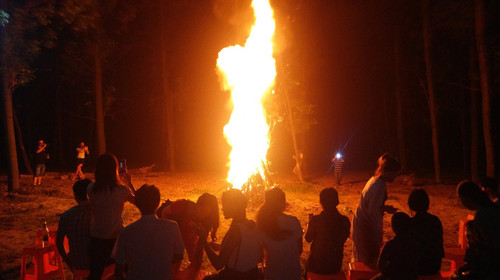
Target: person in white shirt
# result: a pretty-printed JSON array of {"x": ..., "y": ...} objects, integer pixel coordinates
[
  {"x": 147, "y": 248},
  {"x": 81, "y": 152},
  {"x": 281, "y": 238},
  {"x": 367, "y": 224}
]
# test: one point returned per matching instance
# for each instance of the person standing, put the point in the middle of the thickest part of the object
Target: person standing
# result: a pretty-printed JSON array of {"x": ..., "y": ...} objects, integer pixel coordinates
[
  {"x": 147, "y": 248},
  {"x": 107, "y": 197},
  {"x": 41, "y": 157},
  {"x": 81, "y": 152},
  {"x": 338, "y": 164},
  {"x": 368, "y": 227}
]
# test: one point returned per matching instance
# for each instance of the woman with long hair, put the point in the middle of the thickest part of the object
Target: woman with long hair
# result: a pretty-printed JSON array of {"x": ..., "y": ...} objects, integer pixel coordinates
[
  {"x": 367, "y": 229},
  {"x": 189, "y": 215},
  {"x": 281, "y": 237},
  {"x": 107, "y": 197}
]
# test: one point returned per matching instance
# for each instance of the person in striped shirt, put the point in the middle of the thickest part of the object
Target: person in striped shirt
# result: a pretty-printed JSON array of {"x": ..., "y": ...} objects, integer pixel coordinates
[{"x": 338, "y": 164}]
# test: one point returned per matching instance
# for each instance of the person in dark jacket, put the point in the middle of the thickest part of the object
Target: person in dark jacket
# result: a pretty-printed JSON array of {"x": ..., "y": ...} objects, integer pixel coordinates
[{"x": 328, "y": 232}]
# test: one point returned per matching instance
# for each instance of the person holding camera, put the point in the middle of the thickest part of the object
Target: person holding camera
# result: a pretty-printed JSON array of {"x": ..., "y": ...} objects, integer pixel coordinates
[
  {"x": 107, "y": 197},
  {"x": 41, "y": 156}
]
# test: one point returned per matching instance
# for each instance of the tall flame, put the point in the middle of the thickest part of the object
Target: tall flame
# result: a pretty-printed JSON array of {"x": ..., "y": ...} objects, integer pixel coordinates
[{"x": 249, "y": 73}]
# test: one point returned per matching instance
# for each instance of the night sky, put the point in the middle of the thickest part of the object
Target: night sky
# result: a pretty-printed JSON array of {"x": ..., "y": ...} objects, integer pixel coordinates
[{"x": 341, "y": 53}]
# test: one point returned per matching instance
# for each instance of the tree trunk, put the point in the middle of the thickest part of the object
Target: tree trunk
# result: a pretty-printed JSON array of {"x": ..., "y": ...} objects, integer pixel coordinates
[
  {"x": 399, "y": 103},
  {"x": 298, "y": 155},
  {"x": 168, "y": 96},
  {"x": 13, "y": 178},
  {"x": 430, "y": 88},
  {"x": 485, "y": 89},
  {"x": 19, "y": 136},
  {"x": 99, "y": 109},
  {"x": 474, "y": 130}
]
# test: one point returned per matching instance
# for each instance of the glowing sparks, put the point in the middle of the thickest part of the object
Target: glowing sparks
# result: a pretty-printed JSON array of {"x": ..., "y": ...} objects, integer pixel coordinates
[{"x": 249, "y": 73}]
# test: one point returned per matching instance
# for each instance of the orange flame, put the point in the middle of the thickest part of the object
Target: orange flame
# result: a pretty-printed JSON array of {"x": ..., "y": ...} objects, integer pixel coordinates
[{"x": 249, "y": 73}]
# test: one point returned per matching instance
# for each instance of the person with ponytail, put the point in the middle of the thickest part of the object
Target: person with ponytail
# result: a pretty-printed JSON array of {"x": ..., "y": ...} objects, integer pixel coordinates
[{"x": 281, "y": 237}]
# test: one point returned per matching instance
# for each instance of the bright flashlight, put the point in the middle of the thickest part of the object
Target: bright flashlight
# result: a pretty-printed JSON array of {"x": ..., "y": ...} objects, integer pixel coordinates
[{"x": 338, "y": 155}]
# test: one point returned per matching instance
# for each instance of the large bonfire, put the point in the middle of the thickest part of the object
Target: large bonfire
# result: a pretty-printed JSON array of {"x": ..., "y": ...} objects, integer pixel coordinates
[{"x": 249, "y": 73}]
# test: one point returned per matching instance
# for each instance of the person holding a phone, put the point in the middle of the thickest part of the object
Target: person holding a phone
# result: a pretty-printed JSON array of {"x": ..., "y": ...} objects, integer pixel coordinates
[
  {"x": 107, "y": 197},
  {"x": 368, "y": 227}
]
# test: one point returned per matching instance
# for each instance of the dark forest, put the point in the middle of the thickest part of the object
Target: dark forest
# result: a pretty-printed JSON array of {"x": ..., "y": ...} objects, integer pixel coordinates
[{"x": 357, "y": 73}]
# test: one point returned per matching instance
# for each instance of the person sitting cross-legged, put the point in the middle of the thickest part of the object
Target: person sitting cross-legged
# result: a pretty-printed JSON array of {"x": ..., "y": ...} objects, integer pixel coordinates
[
  {"x": 147, "y": 248},
  {"x": 74, "y": 224}
]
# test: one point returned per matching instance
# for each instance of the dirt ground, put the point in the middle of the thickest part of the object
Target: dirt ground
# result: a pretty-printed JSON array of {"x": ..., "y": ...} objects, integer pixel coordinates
[{"x": 23, "y": 213}]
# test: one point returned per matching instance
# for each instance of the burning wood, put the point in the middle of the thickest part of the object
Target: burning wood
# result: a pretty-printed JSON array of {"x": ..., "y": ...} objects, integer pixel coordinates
[{"x": 248, "y": 72}]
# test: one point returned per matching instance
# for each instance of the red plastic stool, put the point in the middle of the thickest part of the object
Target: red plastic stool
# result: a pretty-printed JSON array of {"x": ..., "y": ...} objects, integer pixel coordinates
[
  {"x": 109, "y": 273},
  {"x": 360, "y": 271},
  {"x": 43, "y": 269},
  {"x": 337, "y": 276}
]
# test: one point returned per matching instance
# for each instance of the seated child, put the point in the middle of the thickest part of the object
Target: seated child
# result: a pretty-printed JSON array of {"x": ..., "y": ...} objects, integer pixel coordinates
[
  {"x": 428, "y": 232},
  {"x": 398, "y": 259},
  {"x": 328, "y": 232}
]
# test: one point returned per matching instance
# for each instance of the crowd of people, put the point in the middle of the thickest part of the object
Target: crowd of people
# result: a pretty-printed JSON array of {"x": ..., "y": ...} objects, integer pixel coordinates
[{"x": 269, "y": 247}]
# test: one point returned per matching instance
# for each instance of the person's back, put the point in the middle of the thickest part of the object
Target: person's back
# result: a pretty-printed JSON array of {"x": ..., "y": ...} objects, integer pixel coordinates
[
  {"x": 428, "y": 232},
  {"x": 398, "y": 259},
  {"x": 486, "y": 228},
  {"x": 283, "y": 255},
  {"x": 281, "y": 237},
  {"x": 328, "y": 232},
  {"x": 74, "y": 224},
  {"x": 147, "y": 248}
]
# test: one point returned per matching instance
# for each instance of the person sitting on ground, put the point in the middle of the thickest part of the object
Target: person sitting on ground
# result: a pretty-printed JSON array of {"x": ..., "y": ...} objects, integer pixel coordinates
[
  {"x": 486, "y": 227},
  {"x": 398, "y": 258},
  {"x": 189, "y": 215},
  {"x": 367, "y": 224},
  {"x": 281, "y": 238},
  {"x": 428, "y": 232},
  {"x": 74, "y": 225},
  {"x": 107, "y": 197},
  {"x": 328, "y": 232},
  {"x": 148, "y": 247},
  {"x": 490, "y": 186},
  {"x": 240, "y": 250}
]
